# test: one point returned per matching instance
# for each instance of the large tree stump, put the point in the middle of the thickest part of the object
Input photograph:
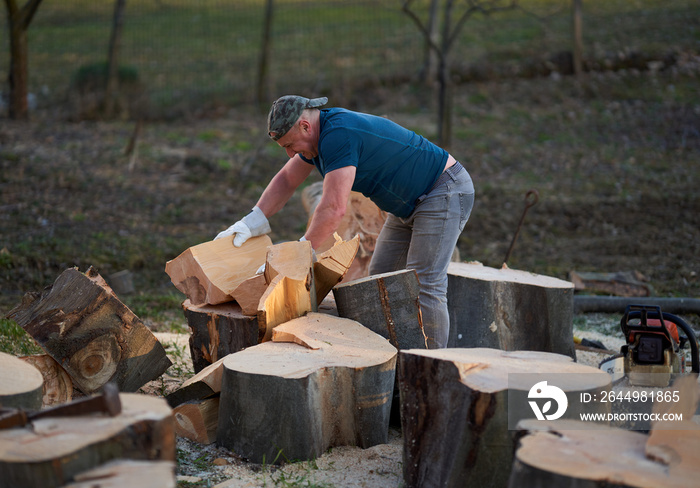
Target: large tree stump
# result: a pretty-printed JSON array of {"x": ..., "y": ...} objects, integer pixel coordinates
[
  {"x": 52, "y": 451},
  {"x": 329, "y": 386},
  {"x": 386, "y": 304},
  {"x": 454, "y": 410},
  {"x": 21, "y": 384},
  {"x": 575, "y": 455},
  {"x": 209, "y": 272},
  {"x": 509, "y": 309},
  {"x": 82, "y": 324},
  {"x": 58, "y": 387},
  {"x": 127, "y": 473},
  {"x": 219, "y": 330}
]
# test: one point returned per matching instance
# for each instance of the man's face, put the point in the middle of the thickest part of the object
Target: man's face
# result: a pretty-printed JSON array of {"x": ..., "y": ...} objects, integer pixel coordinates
[{"x": 299, "y": 140}]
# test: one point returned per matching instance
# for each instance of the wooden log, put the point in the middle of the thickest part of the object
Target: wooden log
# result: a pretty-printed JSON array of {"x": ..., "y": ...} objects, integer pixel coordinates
[
  {"x": 209, "y": 272},
  {"x": 58, "y": 387},
  {"x": 621, "y": 283},
  {"x": 600, "y": 304},
  {"x": 332, "y": 265},
  {"x": 205, "y": 384},
  {"x": 249, "y": 292},
  {"x": 509, "y": 309},
  {"x": 218, "y": 330},
  {"x": 455, "y": 412},
  {"x": 585, "y": 456},
  {"x": 197, "y": 420},
  {"x": 82, "y": 324},
  {"x": 51, "y": 451},
  {"x": 21, "y": 384},
  {"x": 287, "y": 401},
  {"x": 386, "y": 304},
  {"x": 362, "y": 218},
  {"x": 127, "y": 473}
]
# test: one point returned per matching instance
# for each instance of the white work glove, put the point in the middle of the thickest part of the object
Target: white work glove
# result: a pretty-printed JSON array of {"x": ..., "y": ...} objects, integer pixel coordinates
[{"x": 253, "y": 224}]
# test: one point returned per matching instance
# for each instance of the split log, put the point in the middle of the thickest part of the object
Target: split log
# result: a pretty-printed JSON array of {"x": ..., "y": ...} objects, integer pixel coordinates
[
  {"x": 329, "y": 386},
  {"x": 58, "y": 387},
  {"x": 332, "y": 265},
  {"x": 81, "y": 323},
  {"x": 509, "y": 309},
  {"x": 127, "y": 473},
  {"x": 386, "y": 304},
  {"x": 197, "y": 420},
  {"x": 291, "y": 291},
  {"x": 362, "y": 218},
  {"x": 218, "y": 330},
  {"x": 249, "y": 292},
  {"x": 204, "y": 384},
  {"x": 586, "y": 456},
  {"x": 209, "y": 272},
  {"x": 457, "y": 406},
  {"x": 21, "y": 384},
  {"x": 51, "y": 451}
]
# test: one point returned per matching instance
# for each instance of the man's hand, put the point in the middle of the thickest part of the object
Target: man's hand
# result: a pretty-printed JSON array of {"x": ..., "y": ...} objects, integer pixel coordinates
[{"x": 253, "y": 224}]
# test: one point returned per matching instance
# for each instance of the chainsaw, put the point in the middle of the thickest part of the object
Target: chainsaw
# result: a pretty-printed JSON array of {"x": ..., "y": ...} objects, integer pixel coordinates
[{"x": 653, "y": 353}]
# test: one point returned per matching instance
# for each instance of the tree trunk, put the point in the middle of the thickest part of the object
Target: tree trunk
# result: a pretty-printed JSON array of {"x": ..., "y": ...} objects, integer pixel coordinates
[
  {"x": 386, "y": 304},
  {"x": 329, "y": 384},
  {"x": 509, "y": 309},
  {"x": 265, "y": 48},
  {"x": 81, "y": 323},
  {"x": 112, "y": 88},
  {"x": 578, "y": 36},
  {"x": 20, "y": 384},
  {"x": 586, "y": 456},
  {"x": 58, "y": 387},
  {"x": 126, "y": 473},
  {"x": 209, "y": 272},
  {"x": 456, "y": 408},
  {"x": 218, "y": 330}
]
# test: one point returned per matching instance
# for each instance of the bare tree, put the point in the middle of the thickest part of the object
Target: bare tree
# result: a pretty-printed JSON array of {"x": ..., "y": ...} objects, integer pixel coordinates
[
  {"x": 19, "y": 19},
  {"x": 454, "y": 15}
]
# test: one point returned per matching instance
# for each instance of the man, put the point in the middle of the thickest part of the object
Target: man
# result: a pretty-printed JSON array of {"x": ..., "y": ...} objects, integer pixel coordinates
[{"x": 427, "y": 194}]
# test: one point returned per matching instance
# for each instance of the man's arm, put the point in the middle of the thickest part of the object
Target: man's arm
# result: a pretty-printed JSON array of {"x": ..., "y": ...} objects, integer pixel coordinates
[
  {"x": 283, "y": 184},
  {"x": 337, "y": 185}
]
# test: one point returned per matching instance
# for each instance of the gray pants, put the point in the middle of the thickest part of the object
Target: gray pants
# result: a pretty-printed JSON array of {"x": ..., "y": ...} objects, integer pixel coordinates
[{"x": 425, "y": 242}]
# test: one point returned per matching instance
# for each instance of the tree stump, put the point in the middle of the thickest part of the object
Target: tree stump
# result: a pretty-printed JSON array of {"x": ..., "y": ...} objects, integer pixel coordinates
[
  {"x": 82, "y": 324},
  {"x": 127, "y": 473},
  {"x": 454, "y": 410},
  {"x": 21, "y": 384},
  {"x": 209, "y": 272},
  {"x": 219, "y": 330},
  {"x": 571, "y": 455},
  {"x": 329, "y": 386},
  {"x": 509, "y": 309},
  {"x": 51, "y": 451},
  {"x": 58, "y": 387},
  {"x": 386, "y": 304}
]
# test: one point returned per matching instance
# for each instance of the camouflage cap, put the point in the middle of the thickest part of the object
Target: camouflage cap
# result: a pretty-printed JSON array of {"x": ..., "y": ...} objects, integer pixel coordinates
[{"x": 285, "y": 112}]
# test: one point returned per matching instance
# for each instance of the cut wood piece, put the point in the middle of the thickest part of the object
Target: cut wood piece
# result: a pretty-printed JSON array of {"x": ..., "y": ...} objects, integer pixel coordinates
[
  {"x": 457, "y": 405},
  {"x": 284, "y": 401},
  {"x": 509, "y": 309},
  {"x": 58, "y": 387},
  {"x": 82, "y": 324},
  {"x": 332, "y": 265},
  {"x": 583, "y": 456},
  {"x": 21, "y": 384},
  {"x": 387, "y": 304},
  {"x": 127, "y": 473},
  {"x": 362, "y": 218},
  {"x": 248, "y": 293},
  {"x": 197, "y": 420},
  {"x": 209, "y": 272},
  {"x": 203, "y": 385},
  {"x": 51, "y": 451},
  {"x": 621, "y": 283},
  {"x": 218, "y": 330}
]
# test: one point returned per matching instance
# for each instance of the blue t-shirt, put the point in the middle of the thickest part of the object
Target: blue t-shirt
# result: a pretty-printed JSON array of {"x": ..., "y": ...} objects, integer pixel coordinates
[{"x": 394, "y": 165}]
